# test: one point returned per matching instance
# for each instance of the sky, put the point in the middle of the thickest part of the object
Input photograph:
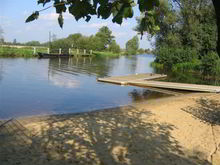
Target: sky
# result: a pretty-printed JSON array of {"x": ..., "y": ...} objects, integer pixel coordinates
[{"x": 13, "y": 14}]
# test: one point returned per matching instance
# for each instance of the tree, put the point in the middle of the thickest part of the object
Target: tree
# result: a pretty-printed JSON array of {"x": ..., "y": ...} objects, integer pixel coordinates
[
  {"x": 141, "y": 51},
  {"x": 15, "y": 41},
  {"x": 119, "y": 9},
  {"x": 190, "y": 24},
  {"x": 132, "y": 46},
  {"x": 54, "y": 37},
  {"x": 216, "y": 4},
  {"x": 33, "y": 43},
  {"x": 114, "y": 47},
  {"x": 105, "y": 35}
]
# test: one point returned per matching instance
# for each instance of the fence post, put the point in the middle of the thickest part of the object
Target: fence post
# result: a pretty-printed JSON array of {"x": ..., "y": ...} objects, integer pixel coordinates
[
  {"x": 77, "y": 51},
  {"x": 90, "y": 52},
  {"x": 84, "y": 51},
  {"x": 34, "y": 50},
  {"x": 60, "y": 51},
  {"x": 48, "y": 50},
  {"x": 69, "y": 51}
]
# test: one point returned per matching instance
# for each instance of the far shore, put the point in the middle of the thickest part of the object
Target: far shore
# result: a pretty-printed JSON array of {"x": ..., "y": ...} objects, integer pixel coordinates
[{"x": 181, "y": 130}]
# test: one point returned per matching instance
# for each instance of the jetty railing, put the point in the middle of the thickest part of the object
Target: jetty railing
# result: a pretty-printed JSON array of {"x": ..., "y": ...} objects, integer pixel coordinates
[
  {"x": 35, "y": 49},
  {"x": 70, "y": 51}
]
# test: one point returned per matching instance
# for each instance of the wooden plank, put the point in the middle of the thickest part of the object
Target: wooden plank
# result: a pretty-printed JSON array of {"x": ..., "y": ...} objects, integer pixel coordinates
[
  {"x": 145, "y": 80},
  {"x": 123, "y": 80},
  {"x": 169, "y": 92},
  {"x": 179, "y": 86}
]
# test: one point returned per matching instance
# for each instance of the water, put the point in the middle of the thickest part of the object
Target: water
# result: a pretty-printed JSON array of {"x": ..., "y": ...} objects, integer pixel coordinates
[{"x": 54, "y": 86}]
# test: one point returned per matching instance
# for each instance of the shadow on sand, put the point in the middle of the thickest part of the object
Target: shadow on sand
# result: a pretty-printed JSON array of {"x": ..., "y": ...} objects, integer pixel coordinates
[
  {"x": 207, "y": 110},
  {"x": 120, "y": 136}
]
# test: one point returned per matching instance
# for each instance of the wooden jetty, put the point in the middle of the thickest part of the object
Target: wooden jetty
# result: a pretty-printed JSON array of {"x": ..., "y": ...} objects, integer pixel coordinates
[
  {"x": 125, "y": 80},
  {"x": 148, "y": 80}
]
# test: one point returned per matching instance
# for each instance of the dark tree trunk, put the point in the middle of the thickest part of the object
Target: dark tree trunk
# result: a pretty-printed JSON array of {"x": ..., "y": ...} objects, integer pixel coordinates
[{"x": 216, "y": 4}]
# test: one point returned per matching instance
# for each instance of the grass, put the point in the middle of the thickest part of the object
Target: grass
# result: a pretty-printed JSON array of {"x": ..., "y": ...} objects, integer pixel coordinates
[
  {"x": 16, "y": 52},
  {"x": 20, "y": 52},
  {"x": 157, "y": 65},
  {"x": 195, "y": 65},
  {"x": 105, "y": 54}
]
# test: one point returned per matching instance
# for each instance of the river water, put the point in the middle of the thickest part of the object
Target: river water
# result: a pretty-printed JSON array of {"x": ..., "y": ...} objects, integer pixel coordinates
[{"x": 68, "y": 85}]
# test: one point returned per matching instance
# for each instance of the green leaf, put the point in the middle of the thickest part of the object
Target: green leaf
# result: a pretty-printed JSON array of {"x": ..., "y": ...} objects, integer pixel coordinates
[
  {"x": 104, "y": 11},
  {"x": 60, "y": 6},
  {"x": 40, "y": 1},
  {"x": 81, "y": 9},
  {"x": 88, "y": 18},
  {"x": 60, "y": 20},
  {"x": 121, "y": 13},
  {"x": 32, "y": 17},
  {"x": 95, "y": 3},
  {"x": 146, "y": 5},
  {"x": 43, "y": 2},
  {"x": 128, "y": 12}
]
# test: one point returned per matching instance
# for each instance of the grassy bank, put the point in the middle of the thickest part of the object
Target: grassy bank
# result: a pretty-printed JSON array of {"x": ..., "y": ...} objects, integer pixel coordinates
[
  {"x": 106, "y": 54},
  {"x": 16, "y": 52}
]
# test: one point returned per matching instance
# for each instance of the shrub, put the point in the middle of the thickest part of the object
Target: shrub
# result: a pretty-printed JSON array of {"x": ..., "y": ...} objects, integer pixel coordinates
[
  {"x": 210, "y": 64},
  {"x": 195, "y": 65},
  {"x": 172, "y": 56}
]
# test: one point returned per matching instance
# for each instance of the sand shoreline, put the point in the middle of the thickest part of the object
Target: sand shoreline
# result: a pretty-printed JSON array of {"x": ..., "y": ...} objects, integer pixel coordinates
[{"x": 174, "y": 130}]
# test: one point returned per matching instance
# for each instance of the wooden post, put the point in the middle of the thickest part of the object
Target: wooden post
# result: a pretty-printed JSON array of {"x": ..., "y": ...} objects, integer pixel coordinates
[
  {"x": 84, "y": 51},
  {"x": 48, "y": 50},
  {"x": 90, "y": 52},
  {"x": 60, "y": 51},
  {"x": 77, "y": 51},
  {"x": 69, "y": 51},
  {"x": 34, "y": 50}
]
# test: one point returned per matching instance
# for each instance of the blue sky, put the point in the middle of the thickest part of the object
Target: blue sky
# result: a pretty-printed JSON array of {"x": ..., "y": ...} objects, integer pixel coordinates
[{"x": 14, "y": 12}]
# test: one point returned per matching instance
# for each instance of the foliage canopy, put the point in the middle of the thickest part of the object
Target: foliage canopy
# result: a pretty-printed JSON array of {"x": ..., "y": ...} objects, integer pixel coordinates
[
  {"x": 132, "y": 46},
  {"x": 85, "y": 9}
]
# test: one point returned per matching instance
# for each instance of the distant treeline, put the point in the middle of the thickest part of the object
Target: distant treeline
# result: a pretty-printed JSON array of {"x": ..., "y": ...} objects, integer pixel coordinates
[{"x": 102, "y": 41}]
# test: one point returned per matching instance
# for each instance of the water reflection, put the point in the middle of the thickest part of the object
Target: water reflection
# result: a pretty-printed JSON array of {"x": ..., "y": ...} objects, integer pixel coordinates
[
  {"x": 68, "y": 85},
  {"x": 1, "y": 70},
  {"x": 76, "y": 66},
  {"x": 63, "y": 82}
]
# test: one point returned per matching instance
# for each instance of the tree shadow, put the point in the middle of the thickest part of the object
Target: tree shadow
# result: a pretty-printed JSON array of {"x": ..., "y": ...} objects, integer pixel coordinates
[
  {"x": 124, "y": 135},
  {"x": 207, "y": 110}
]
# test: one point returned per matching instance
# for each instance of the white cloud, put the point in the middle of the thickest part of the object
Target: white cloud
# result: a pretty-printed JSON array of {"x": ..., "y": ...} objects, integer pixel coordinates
[
  {"x": 119, "y": 34},
  {"x": 64, "y": 82},
  {"x": 124, "y": 24},
  {"x": 94, "y": 25},
  {"x": 54, "y": 16}
]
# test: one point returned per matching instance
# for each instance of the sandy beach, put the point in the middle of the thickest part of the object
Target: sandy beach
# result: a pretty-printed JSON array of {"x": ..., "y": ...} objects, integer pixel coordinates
[{"x": 180, "y": 130}]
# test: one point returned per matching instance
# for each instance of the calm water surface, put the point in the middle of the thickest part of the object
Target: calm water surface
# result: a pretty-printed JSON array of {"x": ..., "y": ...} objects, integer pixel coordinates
[{"x": 53, "y": 86}]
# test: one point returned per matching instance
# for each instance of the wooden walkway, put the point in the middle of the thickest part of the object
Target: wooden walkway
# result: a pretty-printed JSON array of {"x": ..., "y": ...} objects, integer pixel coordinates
[
  {"x": 125, "y": 80},
  {"x": 147, "y": 80}
]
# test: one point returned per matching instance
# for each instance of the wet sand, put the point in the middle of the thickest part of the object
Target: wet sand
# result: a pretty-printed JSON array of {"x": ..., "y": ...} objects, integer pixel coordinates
[{"x": 183, "y": 130}]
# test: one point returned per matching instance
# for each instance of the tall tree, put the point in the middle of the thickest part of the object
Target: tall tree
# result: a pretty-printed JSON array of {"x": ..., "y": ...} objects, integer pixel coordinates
[
  {"x": 189, "y": 24},
  {"x": 132, "y": 46},
  {"x": 216, "y": 4},
  {"x": 105, "y": 35},
  {"x": 114, "y": 47}
]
